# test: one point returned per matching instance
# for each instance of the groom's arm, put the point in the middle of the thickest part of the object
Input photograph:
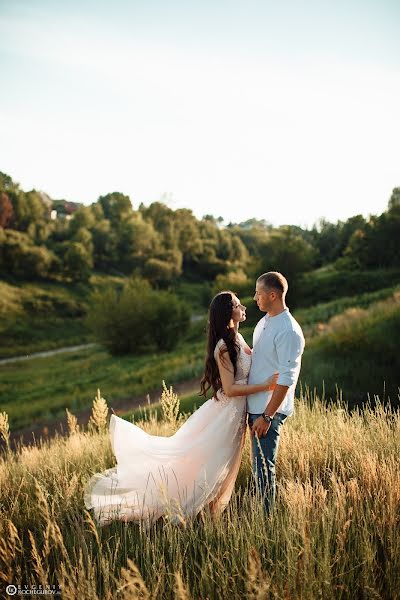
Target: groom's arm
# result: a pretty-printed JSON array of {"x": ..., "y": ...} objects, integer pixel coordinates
[
  {"x": 277, "y": 398},
  {"x": 260, "y": 426},
  {"x": 289, "y": 348}
]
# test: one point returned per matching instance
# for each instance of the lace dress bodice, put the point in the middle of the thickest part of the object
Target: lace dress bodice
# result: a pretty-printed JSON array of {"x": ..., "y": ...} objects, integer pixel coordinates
[{"x": 243, "y": 360}]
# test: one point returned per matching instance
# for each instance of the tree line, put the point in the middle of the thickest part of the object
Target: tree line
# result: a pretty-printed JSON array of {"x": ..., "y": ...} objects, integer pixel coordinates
[{"x": 163, "y": 245}]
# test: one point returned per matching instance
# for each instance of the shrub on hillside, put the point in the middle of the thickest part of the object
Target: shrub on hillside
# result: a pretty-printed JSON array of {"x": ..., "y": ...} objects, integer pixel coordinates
[
  {"x": 42, "y": 303},
  {"x": 237, "y": 281},
  {"x": 137, "y": 318},
  {"x": 19, "y": 257},
  {"x": 77, "y": 261},
  {"x": 162, "y": 271}
]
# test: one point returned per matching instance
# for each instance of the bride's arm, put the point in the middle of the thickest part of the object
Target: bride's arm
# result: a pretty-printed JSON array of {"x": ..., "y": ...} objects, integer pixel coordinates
[{"x": 230, "y": 388}]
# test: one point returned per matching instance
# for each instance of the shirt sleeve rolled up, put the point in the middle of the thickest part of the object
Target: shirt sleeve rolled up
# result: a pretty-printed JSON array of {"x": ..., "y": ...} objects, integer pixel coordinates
[{"x": 289, "y": 348}]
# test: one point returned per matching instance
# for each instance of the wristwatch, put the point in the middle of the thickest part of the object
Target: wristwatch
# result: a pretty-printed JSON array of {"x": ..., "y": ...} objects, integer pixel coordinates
[{"x": 267, "y": 418}]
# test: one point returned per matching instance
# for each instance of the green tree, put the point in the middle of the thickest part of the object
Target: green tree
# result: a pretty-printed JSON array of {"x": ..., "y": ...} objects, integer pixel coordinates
[
  {"x": 83, "y": 218},
  {"x": 20, "y": 258},
  {"x": 83, "y": 236},
  {"x": 137, "y": 241},
  {"x": 237, "y": 281},
  {"x": 28, "y": 208},
  {"x": 286, "y": 252},
  {"x": 77, "y": 262},
  {"x": 326, "y": 239},
  {"x": 7, "y": 184},
  {"x": 104, "y": 245},
  {"x": 164, "y": 270},
  {"x": 137, "y": 319},
  {"x": 116, "y": 206},
  {"x": 394, "y": 201},
  {"x": 376, "y": 245},
  {"x": 6, "y": 210}
]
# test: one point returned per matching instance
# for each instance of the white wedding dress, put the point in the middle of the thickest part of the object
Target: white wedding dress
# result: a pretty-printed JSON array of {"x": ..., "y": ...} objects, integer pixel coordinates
[{"x": 179, "y": 475}]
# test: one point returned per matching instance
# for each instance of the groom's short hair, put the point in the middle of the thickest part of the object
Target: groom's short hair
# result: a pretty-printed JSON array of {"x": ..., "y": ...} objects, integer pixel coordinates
[{"x": 275, "y": 281}]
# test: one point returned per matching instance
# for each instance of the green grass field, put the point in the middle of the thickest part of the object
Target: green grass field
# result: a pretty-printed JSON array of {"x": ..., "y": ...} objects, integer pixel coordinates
[
  {"x": 36, "y": 317},
  {"x": 43, "y": 388}
]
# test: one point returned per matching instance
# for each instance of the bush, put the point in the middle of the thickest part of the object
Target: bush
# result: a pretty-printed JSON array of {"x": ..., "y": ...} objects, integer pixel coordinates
[
  {"x": 163, "y": 271},
  {"x": 136, "y": 318},
  {"x": 20, "y": 258},
  {"x": 237, "y": 281},
  {"x": 77, "y": 261},
  {"x": 197, "y": 295},
  {"x": 51, "y": 305}
]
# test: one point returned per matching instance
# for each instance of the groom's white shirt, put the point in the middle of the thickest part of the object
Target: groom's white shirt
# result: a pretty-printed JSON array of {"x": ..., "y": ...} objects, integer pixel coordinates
[{"x": 278, "y": 344}]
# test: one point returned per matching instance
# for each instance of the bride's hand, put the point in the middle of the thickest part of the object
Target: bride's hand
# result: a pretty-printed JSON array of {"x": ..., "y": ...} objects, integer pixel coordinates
[{"x": 271, "y": 382}]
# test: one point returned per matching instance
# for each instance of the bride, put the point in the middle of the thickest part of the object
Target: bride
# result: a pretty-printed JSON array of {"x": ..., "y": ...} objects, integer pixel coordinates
[{"x": 196, "y": 467}]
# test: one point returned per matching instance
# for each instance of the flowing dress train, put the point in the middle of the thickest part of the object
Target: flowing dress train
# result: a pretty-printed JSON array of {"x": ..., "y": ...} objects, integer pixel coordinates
[{"x": 174, "y": 476}]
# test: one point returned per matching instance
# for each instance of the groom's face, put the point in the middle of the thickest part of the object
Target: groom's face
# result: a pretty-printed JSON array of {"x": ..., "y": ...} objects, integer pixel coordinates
[{"x": 264, "y": 297}]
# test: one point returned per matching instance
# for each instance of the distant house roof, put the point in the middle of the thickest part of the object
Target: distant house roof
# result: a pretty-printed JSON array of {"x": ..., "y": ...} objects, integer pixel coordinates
[
  {"x": 71, "y": 207},
  {"x": 45, "y": 198}
]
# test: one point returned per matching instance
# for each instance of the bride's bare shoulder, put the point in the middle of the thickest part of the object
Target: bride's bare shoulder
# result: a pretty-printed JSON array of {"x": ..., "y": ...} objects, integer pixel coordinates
[{"x": 220, "y": 345}]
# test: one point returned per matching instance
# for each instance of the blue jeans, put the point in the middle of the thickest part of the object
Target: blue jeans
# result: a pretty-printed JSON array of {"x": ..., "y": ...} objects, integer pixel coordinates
[{"x": 264, "y": 454}]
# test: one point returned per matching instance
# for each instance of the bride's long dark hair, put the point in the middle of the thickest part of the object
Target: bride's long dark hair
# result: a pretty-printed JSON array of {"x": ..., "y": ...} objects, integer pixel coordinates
[{"x": 220, "y": 314}]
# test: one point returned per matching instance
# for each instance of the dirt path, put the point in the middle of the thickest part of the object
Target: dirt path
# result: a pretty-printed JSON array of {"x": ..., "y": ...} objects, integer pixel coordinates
[
  {"x": 4, "y": 361},
  {"x": 48, "y": 429},
  {"x": 44, "y": 353}
]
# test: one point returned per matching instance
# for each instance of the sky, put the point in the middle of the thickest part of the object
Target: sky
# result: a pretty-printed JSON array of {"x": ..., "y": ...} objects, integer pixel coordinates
[{"x": 285, "y": 111}]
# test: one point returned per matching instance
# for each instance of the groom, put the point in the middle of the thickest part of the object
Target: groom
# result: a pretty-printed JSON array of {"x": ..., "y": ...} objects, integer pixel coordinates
[{"x": 278, "y": 344}]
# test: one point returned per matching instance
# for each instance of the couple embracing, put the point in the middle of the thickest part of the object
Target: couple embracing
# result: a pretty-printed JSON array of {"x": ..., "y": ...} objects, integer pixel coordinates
[{"x": 196, "y": 468}]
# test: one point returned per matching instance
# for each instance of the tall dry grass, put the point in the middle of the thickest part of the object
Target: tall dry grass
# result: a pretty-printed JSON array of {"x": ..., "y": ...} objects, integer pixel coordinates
[{"x": 334, "y": 533}]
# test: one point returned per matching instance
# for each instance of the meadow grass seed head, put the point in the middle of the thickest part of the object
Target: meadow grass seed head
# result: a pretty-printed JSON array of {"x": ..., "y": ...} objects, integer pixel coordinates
[
  {"x": 5, "y": 428},
  {"x": 10, "y": 547},
  {"x": 72, "y": 487},
  {"x": 92, "y": 527},
  {"x": 98, "y": 418},
  {"x": 257, "y": 582},
  {"x": 42, "y": 503},
  {"x": 170, "y": 404},
  {"x": 133, "y": 585},
  {"x": 38, "y": 561},
  {"x": 72, "y": 423},
  {"x": 181, "y": 592}
]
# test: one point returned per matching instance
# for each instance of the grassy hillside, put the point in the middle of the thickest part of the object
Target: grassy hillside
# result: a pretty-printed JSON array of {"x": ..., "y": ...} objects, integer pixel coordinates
[
  {"x": 43, "y": 316},
  {"x": 327, "y": 283},
  {"x": 354, "y": 350},
  {"x": 334, "y": 533},
  {"x": 35, "y": 317},
  {"x": 41, "y": 389},
  {"x": 310, "y": 318}
]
